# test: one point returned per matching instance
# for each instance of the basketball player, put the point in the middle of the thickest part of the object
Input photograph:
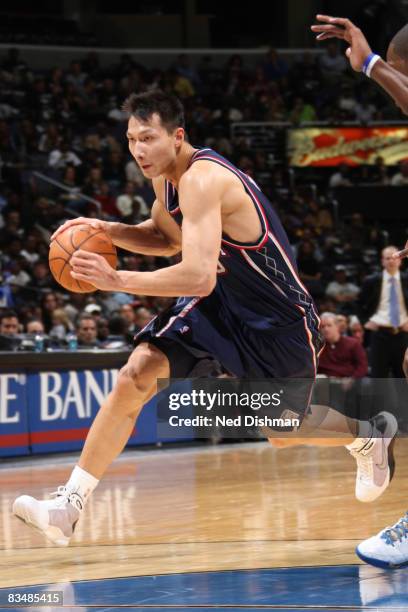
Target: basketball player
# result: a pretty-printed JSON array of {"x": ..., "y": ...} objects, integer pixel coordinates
[
  {"x": 243, "y": 304},
  {"x": 389, "y": 548}
]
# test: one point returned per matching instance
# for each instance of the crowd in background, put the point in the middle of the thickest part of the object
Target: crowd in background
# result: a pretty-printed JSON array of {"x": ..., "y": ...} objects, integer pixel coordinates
[{"x": 67, "y": 124}]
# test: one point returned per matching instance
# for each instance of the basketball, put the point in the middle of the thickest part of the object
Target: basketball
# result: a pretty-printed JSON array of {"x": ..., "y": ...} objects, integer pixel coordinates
[{"x": 64, "y": 246}]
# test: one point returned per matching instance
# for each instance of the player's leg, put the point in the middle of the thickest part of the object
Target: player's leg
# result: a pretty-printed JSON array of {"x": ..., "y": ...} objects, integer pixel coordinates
[
  {"x": 115, "y": 421},
  {"x": 369, "y": 442},
  {"x": 110, "y": 431}
]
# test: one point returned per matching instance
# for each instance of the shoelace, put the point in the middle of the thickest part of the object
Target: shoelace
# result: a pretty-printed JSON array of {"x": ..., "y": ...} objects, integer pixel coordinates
[
  {"x": 398, "y": 532},
  {"x": 64, "y": 495},
  {"x": 364, "y": 464}
]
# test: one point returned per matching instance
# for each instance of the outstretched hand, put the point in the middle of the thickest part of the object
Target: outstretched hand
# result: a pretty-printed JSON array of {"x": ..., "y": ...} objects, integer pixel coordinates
[
  {"x": 401, "y": 254},
  {"x": 339, "y": 27}
]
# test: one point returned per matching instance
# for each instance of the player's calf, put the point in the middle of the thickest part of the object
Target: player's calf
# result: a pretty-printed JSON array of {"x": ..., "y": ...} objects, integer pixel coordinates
[{"x": 137, "y": 382}]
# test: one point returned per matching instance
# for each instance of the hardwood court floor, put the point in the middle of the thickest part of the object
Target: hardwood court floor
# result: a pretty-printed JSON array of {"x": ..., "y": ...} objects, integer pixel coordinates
[{"x": 198, "y": 509}]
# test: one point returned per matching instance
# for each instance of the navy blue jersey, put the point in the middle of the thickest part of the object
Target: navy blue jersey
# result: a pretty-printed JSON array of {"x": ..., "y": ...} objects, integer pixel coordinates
[
  {"x": 258, "y": 282},
  {"x": 260, "y": 320}
]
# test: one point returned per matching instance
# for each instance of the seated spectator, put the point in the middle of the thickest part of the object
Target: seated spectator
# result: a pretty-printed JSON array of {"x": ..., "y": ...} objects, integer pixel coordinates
[
  {"x": 87, "y": 332},
  {"x": 309, "y": 267},
  {"x": 400, "y": 179},
  {"x": 342, "y": 356},
  {"x": 18, "y": 277},
  {"x": 61, "y": 325},
  {"x": 42, "y": 278},
  {"x": 94, "y": 310},
  {"x": 35, "y": 326},
  {"x": 30, "y": 251},
  {"x": 48, "y": 305},
  {"x": 102, "y": 326},
  {"x": 379, "y": 172},
  {"x": 9, "y": 323},
  {"x": 364, "y": 111},
  {"x": 128, "y": 313},
  {"x": 62, "y": 156},
  {"x": 132, "y": 208},
  {"x": 332, "y": 63},
  {"x": 142, "y": 317},
  {"x": 342, "y": 322},
  {"x": 340, "y": 289},
  {"x": 302, "y": 111},
  {"x": 356, "y": 329},
  {"x": 340, "y": 178}
]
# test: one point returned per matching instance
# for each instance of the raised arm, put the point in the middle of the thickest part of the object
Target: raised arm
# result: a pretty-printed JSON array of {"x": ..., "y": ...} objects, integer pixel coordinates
[
  {"x": 359, "y": 53},
  {"x": 200, "y": 192}
]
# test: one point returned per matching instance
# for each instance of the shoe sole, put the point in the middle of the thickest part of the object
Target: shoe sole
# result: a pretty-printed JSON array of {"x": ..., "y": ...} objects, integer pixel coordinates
[
  {"x": 379, "y": 563},
  {"x": 58, "y": 540}
]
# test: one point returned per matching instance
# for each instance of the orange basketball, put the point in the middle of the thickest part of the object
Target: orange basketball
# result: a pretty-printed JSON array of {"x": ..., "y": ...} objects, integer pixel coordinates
[{"x": 64, "y": 246}]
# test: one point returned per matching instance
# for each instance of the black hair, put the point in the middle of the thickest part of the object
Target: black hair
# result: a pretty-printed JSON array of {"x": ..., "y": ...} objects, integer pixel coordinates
[
  {"x": 400, "y": 43},
  {"x": 167, "y": 106},
  {"x": 8, "y": 314}
]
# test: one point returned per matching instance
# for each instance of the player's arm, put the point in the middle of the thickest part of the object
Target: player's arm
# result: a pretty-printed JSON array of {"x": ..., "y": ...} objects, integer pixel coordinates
[
  {"x": 391, "y": 80},
  {"x": 200, "y": 193},
  {"x": 158, "y": 236}
]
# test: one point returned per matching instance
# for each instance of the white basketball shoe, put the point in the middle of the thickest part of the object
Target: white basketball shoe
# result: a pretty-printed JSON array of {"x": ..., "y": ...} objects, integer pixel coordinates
[
  {"x": 389, "y": 548},
  {"x": 55, "y": 518},
  {"x": 375, "y": 457}
]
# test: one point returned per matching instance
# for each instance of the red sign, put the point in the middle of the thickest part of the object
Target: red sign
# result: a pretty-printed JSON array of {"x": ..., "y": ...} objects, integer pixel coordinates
[{"x": 329, "y": 146}]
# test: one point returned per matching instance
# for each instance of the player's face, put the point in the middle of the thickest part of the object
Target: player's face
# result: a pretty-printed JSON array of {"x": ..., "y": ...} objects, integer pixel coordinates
[
  {"x": 395, "y": 61},
  {"x": 152, "y": 146}
]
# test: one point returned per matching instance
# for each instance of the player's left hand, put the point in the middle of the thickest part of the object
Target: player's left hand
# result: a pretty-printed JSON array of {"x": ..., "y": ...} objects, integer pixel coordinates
[
  {"x": 94, "y": 269},
  {"x": 401, "y": 254},
  {"x": 339, "y": 27}
]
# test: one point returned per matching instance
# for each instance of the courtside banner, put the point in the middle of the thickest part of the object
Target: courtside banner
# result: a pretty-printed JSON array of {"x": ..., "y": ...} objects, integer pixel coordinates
[
  {"x": 52, "y": 411},
  {"x": 330, "y": 146},
  {"x": 63, "y": 404},
  {"x": 14, "y": 436}
]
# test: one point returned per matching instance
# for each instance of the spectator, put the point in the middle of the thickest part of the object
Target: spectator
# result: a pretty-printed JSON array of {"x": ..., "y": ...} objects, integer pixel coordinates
[
  {"x": 356, "y": 329},
  {"x": 61, "y": 325},
  {"x": 48, "y": 305},
  {"x": 332, "y": 63},
  {"x": 340, "y": 289},
  {"x": 400, "y": 179},
  {"x": 309, "y": 268},
  {"x": 342, "y": 322},
  {"x": 102, "y": 326},
  {"x": 87, "y": 332},
  {"x": 142, "y": 317},
  {"x": 61, "y": 157},
  {"x": 128, "y": 313},
  {"x": 340, "y": 178},
  {"x": 35, "y": 326},
  {"x": 94, "y": 310},
  {"x": 342, "y": 356},
  {"x": 9, "y": 323}
]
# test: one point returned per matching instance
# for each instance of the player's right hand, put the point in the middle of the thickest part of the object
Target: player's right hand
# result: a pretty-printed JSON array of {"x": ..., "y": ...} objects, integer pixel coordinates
[
  {"x": 338, "y": 27},
  {"x": 94, "y": 223}
]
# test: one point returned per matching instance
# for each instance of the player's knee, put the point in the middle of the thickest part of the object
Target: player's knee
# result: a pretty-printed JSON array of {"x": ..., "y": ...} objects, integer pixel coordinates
[{"x": 144, "y": 367}]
